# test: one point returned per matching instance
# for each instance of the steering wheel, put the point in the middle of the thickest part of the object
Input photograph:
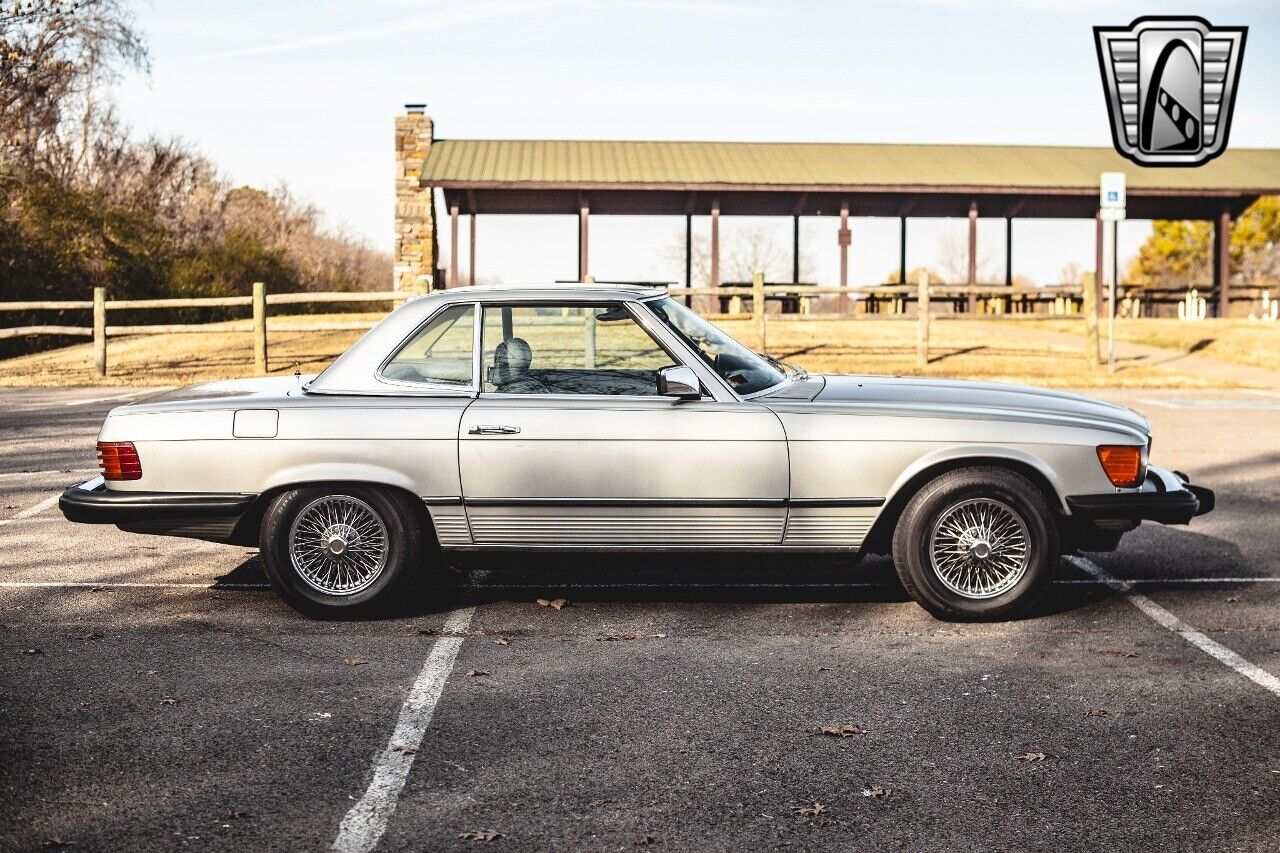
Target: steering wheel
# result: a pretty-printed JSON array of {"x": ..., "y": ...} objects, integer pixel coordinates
[{"x": 724, "y": 366}]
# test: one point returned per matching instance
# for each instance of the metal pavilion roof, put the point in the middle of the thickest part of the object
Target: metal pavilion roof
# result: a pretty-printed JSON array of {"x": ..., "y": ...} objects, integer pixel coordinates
[{"x": 819, "y": 167}]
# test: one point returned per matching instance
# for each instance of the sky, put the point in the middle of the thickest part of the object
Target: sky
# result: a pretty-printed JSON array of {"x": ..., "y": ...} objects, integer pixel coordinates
[{"x": 306, "y": 91}]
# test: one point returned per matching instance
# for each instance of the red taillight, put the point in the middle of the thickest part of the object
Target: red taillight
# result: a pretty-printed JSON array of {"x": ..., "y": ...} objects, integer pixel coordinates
[
  {"x": 119, "y": 460},
  {"x": 1122, "y": 464}
]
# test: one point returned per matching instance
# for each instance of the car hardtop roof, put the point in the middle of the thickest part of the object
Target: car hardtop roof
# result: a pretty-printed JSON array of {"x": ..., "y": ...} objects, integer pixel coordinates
[
  {"x": 550, "y": 291},
  {"x": 356, "y": 370}
]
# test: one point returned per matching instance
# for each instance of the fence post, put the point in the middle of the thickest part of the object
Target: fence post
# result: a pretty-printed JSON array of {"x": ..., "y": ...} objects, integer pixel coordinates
[
  {"x": 757, "y": 307},
  {"x": 260, "y": 327},
  {"x": 100, "y": 330},
  {"x": 922, "y": 325}
]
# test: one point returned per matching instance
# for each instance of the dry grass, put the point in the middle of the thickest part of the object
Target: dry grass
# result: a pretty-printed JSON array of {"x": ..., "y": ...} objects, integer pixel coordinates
[
  {"x": 182, "y": 359},
  {"x": 959, "y": 349},
  {"x": 1247, "y": 342}
]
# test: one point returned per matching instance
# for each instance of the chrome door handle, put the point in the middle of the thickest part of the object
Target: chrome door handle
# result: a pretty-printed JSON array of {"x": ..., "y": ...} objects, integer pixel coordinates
[{"x": 493, "y": 429}]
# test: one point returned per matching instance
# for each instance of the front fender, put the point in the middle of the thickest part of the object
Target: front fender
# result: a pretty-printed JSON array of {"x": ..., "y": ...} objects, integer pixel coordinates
[{"x": 977, "y": 454}]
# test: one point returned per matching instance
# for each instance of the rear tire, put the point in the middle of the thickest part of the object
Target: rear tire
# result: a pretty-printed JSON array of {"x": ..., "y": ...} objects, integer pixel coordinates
[
  {"x": 341, "y": 552},
  {"x": 977, "y": 544}
]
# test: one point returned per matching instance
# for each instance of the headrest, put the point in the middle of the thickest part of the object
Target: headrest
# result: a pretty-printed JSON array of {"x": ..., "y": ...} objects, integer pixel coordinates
[{"x": 511, "y": 360}]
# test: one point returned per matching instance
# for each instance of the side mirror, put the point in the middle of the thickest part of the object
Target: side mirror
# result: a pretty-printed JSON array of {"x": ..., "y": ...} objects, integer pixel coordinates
[{"x": 680, "y": 382}]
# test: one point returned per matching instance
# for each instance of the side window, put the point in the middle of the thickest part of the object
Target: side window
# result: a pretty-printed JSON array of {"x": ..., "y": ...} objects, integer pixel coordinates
[
  {"x": 441, "y": 352},
  {"x": 598, "y": 349}
]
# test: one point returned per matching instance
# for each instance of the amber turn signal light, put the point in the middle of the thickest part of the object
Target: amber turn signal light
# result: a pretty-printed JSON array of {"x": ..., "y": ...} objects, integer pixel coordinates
[
  {"x": 119, "y": 460},
  {"x": 1122, "y": 464}
]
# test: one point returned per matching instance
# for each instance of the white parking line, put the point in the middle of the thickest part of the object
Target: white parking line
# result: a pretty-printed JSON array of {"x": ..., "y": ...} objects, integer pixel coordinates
[
  {"x": 1167, "y": 620},
  {"x": 32, "y": 510},
  {"x": 363, "y": 826}
]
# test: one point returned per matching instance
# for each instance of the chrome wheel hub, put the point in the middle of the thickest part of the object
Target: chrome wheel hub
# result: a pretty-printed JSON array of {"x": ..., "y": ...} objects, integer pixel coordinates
[
  {"x": 980, "y": 548},
  {"x": 338, "y": 545}
]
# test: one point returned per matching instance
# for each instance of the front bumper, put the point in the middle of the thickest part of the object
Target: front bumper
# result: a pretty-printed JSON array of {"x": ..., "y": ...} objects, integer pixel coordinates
[
  {"x": 197, "y": 515},
  {"x": 1166, "y": 497}
]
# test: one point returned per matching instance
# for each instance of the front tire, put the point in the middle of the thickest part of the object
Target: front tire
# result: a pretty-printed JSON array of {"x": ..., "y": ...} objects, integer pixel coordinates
[
  {"x": 977, "y": 544},
  {"x": 342, "y": 551}
]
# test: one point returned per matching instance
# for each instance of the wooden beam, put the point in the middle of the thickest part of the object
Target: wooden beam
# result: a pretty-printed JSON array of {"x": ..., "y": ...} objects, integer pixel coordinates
[
  {"x": 453, "y": 244},
  {"x": 715, "y": 242},
  {"x": 100, "y": 330},
  {"x": 1091, "y": 301},
  {"x": 1222, "y": 269},
  {"x": 260, "y": 327},
  {"x": 844, "y": 238},
  {"x": 1099, "y": 261},
  {"x": 972, "y": 306},
  {"x": 584, "y": 213}
]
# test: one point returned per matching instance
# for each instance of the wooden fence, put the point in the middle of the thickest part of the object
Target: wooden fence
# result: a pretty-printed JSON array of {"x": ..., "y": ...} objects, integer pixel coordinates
[
  {"x": 259, "y": 301},
  {"x": 883, "y": 300}
]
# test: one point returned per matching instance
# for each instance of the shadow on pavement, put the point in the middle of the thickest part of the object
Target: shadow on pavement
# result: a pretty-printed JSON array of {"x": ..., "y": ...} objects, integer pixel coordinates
[{"x": 1151, "y": 554}]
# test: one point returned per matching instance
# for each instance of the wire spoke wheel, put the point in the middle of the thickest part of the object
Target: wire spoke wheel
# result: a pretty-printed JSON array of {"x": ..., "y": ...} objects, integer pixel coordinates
[
  {"x": 338, "y": 545},
  {"x": 979, "y": 548}
]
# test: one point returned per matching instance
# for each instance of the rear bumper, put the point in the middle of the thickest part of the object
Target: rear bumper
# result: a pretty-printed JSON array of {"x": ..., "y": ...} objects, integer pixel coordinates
[
  {"x": 1166, "y": 497},
  {"x": 192, "y": 514}
]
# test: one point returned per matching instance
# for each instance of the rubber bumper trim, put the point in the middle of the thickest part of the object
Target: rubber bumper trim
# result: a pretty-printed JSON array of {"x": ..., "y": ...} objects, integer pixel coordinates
[
  {"x": 93, "y": 503},
  {"x": 1172, "y": 507}
]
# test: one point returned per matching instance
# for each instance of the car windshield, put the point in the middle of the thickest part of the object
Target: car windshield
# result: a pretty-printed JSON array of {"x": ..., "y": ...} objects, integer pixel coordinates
[{"x": 745, "y": 371}]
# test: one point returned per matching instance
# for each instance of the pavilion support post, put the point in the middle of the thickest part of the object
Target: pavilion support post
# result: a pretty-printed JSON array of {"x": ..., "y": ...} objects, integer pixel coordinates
[
  {"x": 795, "y": 249},
  {"x": 1091, "y": 300},
  {"x": 1008, "y": 263},
  {"x": 902, "y": 250},
  {"x": 715, "y": 242},
  {"x": 1222, "y": 265},
  {"x": 471, "y": 261},
  {"x": 688, "y": 258},
  {"x": 973, "y": 257},
  {"x": 843, "y": 238},
  {"x": 584, "y": 214},
  {"x": 453, "y": 245}
]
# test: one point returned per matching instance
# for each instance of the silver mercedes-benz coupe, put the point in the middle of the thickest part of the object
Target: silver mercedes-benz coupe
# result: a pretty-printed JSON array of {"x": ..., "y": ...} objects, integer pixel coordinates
[{"x": 614, "y": 418}]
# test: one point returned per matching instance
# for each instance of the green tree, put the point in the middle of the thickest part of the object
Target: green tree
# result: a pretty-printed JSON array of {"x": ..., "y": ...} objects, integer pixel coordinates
[{"x": 1180, "y": 253}]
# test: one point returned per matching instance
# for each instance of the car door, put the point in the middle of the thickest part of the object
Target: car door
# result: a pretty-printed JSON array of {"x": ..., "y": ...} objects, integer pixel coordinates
[{"x": 569, "y": 444}]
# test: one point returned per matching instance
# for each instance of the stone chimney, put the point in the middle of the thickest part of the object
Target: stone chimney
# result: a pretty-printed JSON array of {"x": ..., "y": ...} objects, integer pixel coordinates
[{"x": 416, "y": 246}]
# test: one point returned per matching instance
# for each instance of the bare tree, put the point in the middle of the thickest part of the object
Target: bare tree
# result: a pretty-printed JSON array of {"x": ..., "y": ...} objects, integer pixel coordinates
[
  {"x": 1072, "y": 273},
  {"x": 953, "y": 259},
  {"x": 55, "y": 58},
  {"x": 745, "y": 252}
]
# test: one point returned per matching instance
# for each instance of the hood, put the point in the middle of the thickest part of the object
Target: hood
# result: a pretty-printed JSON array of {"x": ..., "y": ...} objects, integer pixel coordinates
[{"x": 991, "y": 399}]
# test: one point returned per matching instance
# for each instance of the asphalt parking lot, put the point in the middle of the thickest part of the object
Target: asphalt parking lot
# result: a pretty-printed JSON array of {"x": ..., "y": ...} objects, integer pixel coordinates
[{"x": 157, "y": 696}]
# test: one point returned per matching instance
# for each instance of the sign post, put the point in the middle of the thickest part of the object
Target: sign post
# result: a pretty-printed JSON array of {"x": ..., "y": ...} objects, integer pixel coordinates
[{"x": 1111, "y": 207}]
